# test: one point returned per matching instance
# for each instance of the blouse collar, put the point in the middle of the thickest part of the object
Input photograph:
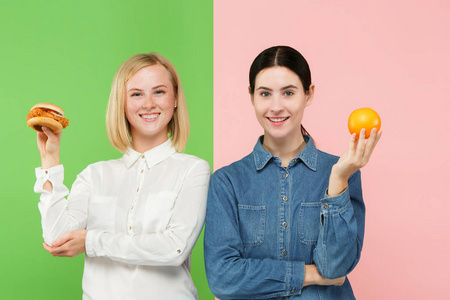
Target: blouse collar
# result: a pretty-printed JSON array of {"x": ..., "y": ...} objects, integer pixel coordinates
[{"x": 152, "y": 157}]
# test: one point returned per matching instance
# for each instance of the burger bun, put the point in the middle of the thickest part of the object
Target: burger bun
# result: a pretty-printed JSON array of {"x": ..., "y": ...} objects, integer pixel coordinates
[{"x": 38, "y": 122}]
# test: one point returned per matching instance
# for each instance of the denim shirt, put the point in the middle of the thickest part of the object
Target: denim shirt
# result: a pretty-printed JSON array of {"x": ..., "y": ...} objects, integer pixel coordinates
[{"x": 265, "y": 222}]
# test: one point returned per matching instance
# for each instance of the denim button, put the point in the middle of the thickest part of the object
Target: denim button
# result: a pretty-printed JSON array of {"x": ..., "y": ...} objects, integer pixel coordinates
[
  {"x": 284, "y": 224},
  {"x": 285, "y": 198},
  {"x": 285, "y": 175},
  {"x": 325, "y": 206},
  {"x": 284, "y": 252},
  {"x": 292, "y": 291}
]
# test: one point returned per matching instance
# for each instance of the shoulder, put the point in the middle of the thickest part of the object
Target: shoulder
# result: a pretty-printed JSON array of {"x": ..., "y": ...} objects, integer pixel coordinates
[
  {"x": 187, "y": 161},
  {"x": 326, "y": 158},
  {"x": 103, "y": 166},
  {"x": 238, "y": 169}
]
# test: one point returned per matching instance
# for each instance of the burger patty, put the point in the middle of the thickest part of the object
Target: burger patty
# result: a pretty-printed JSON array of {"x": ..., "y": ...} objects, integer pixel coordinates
[{"x": 40, "y": 112}]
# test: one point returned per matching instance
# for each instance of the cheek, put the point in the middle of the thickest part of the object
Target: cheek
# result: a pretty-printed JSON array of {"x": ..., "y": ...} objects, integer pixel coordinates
[{"x": 129, "y": 108}]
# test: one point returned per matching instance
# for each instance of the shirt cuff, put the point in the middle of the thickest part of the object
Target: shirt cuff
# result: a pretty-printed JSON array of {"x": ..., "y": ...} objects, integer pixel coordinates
[
  {"x": 336, "y": 203},
  {"x": 297, "y": 270},
  {"x": 92, "y": 243},
  {"x": 52, "y": 174}
]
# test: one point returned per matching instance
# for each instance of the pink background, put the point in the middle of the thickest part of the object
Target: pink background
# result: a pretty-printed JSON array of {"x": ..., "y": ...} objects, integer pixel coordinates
[{"x": 392, "y": 56}]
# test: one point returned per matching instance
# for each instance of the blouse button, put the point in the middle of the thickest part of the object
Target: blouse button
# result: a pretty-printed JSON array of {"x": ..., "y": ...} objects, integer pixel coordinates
[
  {"x": 142, "y": 156},
  {"x": 46, "y": 172},
  {"x": 285, "y": 175},
  {"x": 137, "y": 190},
  {"x": 129, "y": 227},
  {"x": 142, "y": 171},
  {"x": 284, "y": 252},
  {"x": 285, "y": 198},
  {"x": 178, "y": 251},
  {"x": 284, "y": 224}
]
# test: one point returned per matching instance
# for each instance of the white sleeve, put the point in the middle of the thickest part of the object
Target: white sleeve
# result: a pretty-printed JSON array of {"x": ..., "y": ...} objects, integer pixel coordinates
[
  {"x": 58, "y": 214},
  {"x": 169, "y": 248}
]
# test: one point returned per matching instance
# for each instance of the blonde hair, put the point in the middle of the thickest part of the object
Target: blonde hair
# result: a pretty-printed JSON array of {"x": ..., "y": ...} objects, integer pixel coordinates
[{"x": 117, "y": 125}]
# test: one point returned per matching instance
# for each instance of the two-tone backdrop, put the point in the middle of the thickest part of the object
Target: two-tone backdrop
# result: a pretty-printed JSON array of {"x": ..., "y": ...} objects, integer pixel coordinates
[{"x": 388, "y": 55}]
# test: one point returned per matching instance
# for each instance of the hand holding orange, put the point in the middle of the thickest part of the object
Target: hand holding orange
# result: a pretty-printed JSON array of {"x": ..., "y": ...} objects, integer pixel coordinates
[{"x": 363, "y": 118}]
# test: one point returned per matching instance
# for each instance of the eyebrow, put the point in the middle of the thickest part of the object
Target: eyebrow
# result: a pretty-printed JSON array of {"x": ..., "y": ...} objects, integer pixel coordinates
[
  {"x": 153, "y": 88},
  {"x": 159, "y": 86},
  {"x": 283, "y": 88},
  {"x": 134, "y": 89}
]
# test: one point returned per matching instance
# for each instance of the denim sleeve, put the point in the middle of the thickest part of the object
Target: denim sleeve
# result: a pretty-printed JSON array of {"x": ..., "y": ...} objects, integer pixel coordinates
[
  {"x": 230, "y": 275},
  {"x": 340, "y": 241}
]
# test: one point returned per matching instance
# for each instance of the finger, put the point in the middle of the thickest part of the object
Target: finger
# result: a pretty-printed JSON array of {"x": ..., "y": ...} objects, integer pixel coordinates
[
  {"x": 51, "y": 136},
  {"x": 361, "y": 143},
  {"x": 352, "y": 143},
  {"x": 47, "y": 247},
  {"x": 62, "y": 240},
  {"x": 371, "y": 143}
]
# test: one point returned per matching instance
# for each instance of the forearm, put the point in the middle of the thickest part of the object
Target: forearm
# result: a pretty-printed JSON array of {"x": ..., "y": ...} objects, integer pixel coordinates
[
  {"x": 337, "y": 184},
  {"x": 58, "y": 216},
  {"x": 341, "y": 234},
  {"x": 150, "y": 249},
  {"x": 240, "y": 278}
]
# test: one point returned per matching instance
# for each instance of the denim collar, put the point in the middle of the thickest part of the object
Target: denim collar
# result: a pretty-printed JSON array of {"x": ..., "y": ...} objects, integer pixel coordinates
[
  {"x": 308, "y": 155},
  {"x": 152, "y": 157}
]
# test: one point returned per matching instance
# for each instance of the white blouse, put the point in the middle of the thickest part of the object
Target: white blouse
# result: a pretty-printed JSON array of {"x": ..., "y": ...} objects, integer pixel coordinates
[{"x": 143, "y": 214}]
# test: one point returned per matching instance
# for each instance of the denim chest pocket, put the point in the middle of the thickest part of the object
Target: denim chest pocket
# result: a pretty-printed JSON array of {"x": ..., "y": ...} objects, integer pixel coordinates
[
  {"x": 309, "y": 222},
  {"x": 252, "y": 224}
]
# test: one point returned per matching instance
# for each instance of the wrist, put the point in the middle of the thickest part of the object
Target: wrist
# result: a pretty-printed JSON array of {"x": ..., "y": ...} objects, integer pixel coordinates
[
  {"x": 337, "y": 183},
  {"x": 310, "y": 275},
  {"x": 48, "y": 162}
]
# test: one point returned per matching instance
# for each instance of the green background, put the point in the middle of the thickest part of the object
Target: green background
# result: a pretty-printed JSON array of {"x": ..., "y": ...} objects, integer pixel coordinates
[{"x": 67, "y": 52}]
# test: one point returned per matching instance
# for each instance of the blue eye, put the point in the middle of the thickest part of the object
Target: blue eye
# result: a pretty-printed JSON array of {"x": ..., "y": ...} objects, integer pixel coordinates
[
  {"x": 136, "y": 94},
  {"x": 159, "y": 92}
]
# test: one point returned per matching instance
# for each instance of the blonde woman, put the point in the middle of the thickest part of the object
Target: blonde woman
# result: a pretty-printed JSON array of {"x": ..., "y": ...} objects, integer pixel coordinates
[{"x": 138, "y": 217}]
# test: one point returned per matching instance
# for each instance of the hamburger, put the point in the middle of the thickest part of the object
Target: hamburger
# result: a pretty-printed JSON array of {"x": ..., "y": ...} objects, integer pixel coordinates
[{"x": 48, "y": 115}]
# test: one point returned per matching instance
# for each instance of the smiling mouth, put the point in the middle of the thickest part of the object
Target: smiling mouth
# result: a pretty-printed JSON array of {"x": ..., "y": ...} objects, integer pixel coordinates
[
  {"x": 277, "y": 120},
  {"x": 150, "y": 117}
]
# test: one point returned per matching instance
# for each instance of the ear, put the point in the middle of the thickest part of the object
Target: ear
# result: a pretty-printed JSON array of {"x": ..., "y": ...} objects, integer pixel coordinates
[
  {"x": 310, "y": 95},
  {"x": 251, "y": 95}
]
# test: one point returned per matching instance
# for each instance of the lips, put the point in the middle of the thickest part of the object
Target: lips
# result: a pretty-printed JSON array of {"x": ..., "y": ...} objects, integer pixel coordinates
[
  {"x": 277, "y": 120},
  {"x": 149, "y": 117}
]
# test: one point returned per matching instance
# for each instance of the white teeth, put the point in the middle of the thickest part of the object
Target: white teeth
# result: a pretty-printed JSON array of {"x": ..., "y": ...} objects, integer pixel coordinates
[
  {"x": 277, "y": 119},
  {"x": 149, "y": 117}
]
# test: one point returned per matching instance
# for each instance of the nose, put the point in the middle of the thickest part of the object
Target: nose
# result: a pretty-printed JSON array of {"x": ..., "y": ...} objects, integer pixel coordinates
[
  {"x": 277, "y": 104},
  {"x": 149, "y": 102}
]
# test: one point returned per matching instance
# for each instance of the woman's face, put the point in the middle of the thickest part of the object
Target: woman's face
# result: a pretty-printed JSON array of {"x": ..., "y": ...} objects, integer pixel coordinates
[
  {"x": 149, "y": 104},
  {"x": 279, "y": 101}
]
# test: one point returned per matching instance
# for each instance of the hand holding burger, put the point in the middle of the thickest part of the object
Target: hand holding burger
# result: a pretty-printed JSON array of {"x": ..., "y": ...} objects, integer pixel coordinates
[{"x": 48, "y": 115}]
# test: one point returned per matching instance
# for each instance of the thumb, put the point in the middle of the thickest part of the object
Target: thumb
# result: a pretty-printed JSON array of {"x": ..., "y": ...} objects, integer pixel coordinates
[{"x": 62, "y": 240}]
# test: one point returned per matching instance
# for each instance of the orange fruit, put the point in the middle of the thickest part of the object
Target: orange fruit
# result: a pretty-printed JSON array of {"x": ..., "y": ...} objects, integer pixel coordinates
[{"x": 363, "y": 118}]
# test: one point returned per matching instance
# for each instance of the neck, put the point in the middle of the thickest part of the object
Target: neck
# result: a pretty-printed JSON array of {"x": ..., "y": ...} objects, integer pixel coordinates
[
  {"x": 142, "y": 145},
  {"x": 285, "y": 149}
]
